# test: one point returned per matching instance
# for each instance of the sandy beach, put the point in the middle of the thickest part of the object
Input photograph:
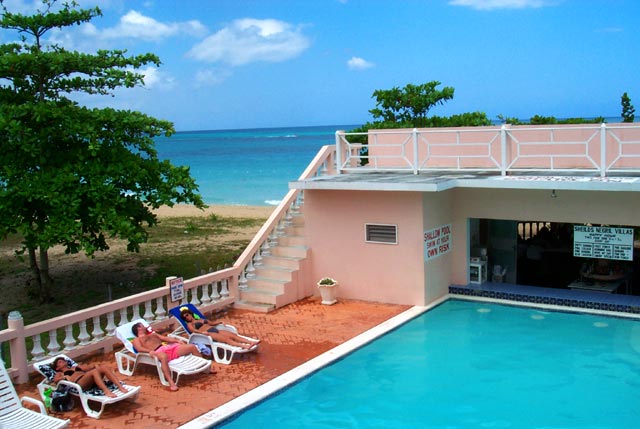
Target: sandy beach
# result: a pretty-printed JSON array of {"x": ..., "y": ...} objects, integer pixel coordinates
[{"x": 186, "y": 210}]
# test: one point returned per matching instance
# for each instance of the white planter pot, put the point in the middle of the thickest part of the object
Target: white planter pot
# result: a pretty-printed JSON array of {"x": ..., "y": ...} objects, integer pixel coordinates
[{"x": 328, "y": 293}]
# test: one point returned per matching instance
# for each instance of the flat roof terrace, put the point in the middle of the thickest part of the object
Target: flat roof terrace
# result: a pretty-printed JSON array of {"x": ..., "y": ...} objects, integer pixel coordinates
[
  {"x": 439, "y": 181},
  {"x": 603, "y": 157}
]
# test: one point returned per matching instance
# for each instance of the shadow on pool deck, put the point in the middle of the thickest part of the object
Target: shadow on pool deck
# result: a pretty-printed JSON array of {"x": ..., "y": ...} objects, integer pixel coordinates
[{"x": 290, "y": 336}]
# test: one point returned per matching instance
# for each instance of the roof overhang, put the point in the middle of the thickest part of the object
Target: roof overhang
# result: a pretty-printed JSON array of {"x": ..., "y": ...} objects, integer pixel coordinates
[{"x": 438, "y": 182}]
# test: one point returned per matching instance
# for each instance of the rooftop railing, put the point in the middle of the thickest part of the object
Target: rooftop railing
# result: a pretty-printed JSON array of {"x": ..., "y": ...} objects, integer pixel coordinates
[{"x": 604, "y": 149}]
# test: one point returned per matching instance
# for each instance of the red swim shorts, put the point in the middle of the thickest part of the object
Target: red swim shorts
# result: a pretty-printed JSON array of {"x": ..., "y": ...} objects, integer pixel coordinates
[{"x": 170, "y": 349}]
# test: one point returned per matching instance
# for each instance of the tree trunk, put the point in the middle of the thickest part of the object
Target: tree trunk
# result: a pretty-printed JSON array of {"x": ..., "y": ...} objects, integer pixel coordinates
[
  {"x": 47, "y": 282},
  {"x": 40, "y": 273},
  {"x": 33, "y": 265}
]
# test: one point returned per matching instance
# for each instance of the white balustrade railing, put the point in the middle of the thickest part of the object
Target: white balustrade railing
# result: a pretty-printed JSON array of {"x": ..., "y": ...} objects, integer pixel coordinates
[
  {"x": 267, "y": 237},
  {"x": 94, "y": 328},
  {"x": 592, "y": 148}
]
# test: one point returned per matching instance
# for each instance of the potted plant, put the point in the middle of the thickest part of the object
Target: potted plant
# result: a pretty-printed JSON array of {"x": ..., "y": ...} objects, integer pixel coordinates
[{"x": 328, "y": 288}]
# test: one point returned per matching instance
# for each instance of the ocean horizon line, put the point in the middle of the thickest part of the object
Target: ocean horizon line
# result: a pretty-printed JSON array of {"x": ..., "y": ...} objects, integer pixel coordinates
[{"x": 612, "y": 118}]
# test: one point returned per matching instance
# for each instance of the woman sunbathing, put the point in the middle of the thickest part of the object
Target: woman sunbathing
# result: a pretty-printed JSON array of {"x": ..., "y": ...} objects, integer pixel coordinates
[
  {"x": 86, "y": 376},
  {"x": 204, "y": 326}
]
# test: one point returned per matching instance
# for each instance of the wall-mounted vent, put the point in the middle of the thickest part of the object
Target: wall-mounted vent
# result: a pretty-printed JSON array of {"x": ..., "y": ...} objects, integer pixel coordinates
[{"x": 386, "y": 234}]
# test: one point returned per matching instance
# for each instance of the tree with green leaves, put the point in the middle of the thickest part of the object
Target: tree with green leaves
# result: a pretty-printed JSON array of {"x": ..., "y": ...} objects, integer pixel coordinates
[
  {"x": 72, "y": 175},
  {"x": 628, "y": 111},
  {"x": 409, "y": 104}
]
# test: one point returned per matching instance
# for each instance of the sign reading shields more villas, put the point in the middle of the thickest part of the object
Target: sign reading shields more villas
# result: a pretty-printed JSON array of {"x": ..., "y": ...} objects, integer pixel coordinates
[
  {"x": 437, "y": 241},
  {"x": 603, "y": 242}
]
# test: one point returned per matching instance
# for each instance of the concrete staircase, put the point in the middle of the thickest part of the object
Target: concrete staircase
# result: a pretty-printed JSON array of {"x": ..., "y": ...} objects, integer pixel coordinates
[{"x": 277, "y": 281}]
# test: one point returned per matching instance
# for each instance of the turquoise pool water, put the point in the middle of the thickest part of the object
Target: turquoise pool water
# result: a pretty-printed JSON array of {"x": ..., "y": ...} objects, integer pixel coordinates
[{"x": 473, "y": 365}]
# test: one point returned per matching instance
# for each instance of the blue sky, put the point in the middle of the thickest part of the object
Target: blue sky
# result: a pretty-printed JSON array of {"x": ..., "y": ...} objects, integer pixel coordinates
[{"x": 275, "y": 63}]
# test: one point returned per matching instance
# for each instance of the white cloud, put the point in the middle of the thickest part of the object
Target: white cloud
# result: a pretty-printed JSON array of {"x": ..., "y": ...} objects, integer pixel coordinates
[
  {"x": 500, "y": 4},
  {"x": 252, "y": 40},
  {"x": 137, "y": 26},
  {"x": 211, "y": 77},
  {"x": 357, "y": 63},
  {"x": 612, "y": 30},
  {"x": 156, "y": 79}
]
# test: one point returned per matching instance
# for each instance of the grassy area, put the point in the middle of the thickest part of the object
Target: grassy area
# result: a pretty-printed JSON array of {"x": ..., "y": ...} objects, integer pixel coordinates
[{"x": 178, "y": 246}]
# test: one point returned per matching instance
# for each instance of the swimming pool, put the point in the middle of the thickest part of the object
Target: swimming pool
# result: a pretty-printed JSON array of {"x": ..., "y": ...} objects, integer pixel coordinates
[{"x": 469, "y": 364}]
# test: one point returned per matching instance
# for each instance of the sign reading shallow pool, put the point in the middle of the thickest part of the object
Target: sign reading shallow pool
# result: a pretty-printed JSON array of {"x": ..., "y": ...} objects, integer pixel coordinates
[
  {"x": 603, "y": 242},
  {"x": 437, "y": 241}
]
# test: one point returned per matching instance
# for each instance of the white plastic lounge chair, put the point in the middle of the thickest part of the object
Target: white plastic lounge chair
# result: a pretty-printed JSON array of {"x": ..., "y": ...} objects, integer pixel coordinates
[
  {"x": 13, "y": 415},
  {"x": 128, "y": 358},
  {"x": 222, "y": 353},
  {"x": 94, "y": 394}
]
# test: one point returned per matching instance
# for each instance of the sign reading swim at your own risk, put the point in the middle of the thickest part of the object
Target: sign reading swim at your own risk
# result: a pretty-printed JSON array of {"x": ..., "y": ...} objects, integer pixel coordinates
[
  {"x": 177, "y": 289},
  {"x": 437, "y": 241},
  {"x": 603, "y": 242}
]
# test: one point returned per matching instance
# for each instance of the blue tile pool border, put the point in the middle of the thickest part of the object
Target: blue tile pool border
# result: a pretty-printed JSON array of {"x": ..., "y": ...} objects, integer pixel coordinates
[{"x": 548, "y": 296}]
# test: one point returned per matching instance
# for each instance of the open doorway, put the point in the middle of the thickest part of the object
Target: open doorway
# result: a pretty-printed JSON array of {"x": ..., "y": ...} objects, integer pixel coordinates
[{"x": 541, "y": 253}]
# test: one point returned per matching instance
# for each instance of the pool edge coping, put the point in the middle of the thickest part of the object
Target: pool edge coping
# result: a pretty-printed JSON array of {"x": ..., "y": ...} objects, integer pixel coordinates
[
  {"x": 223, "y": 412},
  {"x": 246, "y": 400}
]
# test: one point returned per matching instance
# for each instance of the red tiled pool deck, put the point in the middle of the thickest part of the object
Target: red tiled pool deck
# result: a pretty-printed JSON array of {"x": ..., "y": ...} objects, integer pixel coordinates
[{"x": 290, "y": 336}]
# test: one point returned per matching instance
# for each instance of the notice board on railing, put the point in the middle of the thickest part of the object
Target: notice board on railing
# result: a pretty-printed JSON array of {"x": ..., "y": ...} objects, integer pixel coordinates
[
  {"x": 603, "y": 242},
  {"x": 176, "y": 287}
]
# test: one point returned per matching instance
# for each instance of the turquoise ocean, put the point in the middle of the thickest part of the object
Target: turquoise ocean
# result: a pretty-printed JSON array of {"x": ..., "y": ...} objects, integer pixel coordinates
[{"x": 250, "y": 166}]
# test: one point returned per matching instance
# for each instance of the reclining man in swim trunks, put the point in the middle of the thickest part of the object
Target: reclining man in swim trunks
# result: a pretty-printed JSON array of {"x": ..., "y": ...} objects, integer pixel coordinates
[{"x": 164, "y": 348}]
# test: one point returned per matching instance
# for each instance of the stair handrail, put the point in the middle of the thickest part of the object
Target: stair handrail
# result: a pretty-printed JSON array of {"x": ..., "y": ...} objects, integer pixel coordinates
[{"x": 323, "y": 163}]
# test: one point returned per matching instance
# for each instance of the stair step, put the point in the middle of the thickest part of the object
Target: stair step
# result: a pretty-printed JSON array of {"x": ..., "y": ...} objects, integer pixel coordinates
[
  {"x": 281, "y": 261},
  {"x": 269, "y": 285},
  {"x": 290, "y": 251},
  {"x": 259, "y": 295},
  {"x": 258, "y": 307},
  {"x": 294, "y": 230},
  {"x": 292, "y": 240},
  {"x": 273, "y": 272}
]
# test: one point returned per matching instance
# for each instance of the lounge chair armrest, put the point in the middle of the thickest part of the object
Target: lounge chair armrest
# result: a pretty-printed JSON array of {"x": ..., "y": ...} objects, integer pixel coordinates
[
  {"x": 32, "y": 401},
  {"x": 178, "y": 337}
]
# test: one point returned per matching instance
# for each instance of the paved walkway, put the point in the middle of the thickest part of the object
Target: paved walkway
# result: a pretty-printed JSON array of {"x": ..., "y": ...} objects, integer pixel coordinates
[{"x": 290, "y": 336}]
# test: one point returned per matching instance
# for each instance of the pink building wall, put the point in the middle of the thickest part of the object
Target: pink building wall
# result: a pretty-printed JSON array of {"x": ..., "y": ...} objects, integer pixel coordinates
[{"x": 335, "y": 230}]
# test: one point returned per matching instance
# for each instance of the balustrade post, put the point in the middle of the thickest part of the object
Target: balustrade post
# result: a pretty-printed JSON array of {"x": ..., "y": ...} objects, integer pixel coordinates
[
  {"x": 339, "y": 151},
  {"x": 111, "y": 325},
  {"x": 206, "y": 296},
  {"x": 54, "y": 345},
  {"x": 416, "y": 163},
  {"x": 37, "y": 352},
  {"x": 148, "y": 311},
  {"x": 136, "y": 312},
  {"x": 503, "y": 150},
  {"x": 161, "y": 313},
  {"x": 18, "y": 346},
  {"x": 69, "y": 342},
  {"x": 97, "y": 332},
  {"x": 266, "y": 249},
  {"x": 123, "y": 317},
  {"x": 603, "y": 149},
  {"x": 194, "y": 296},
  {"x": 215, "y": 295},
  {"x": 84, "y": 336},
  {"x": 224, "y": 289},
  {"x": 242, "y": 283}
]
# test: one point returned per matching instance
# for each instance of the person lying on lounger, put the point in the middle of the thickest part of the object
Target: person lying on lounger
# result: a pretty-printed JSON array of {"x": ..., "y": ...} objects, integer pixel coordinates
[
  {"x": 86, "y": 376},
  {"x": 204, "y": 326},
  {"x": 164, "y": 348}
]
